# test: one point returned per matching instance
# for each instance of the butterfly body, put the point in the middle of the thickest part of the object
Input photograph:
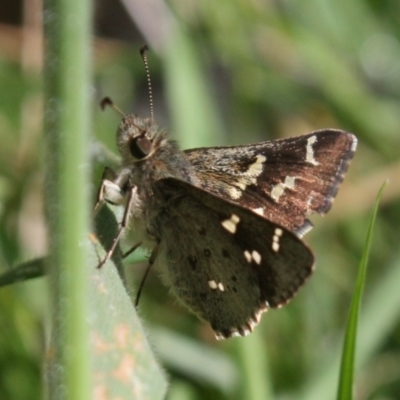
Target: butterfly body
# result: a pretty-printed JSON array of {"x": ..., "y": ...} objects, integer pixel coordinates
[{"x": 223, "y": 225}]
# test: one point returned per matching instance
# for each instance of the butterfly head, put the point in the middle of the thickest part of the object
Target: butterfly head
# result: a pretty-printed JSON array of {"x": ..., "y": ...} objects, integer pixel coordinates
[
  {"x": 146, "y": 150},
  {"x": 137, "y": 138}
]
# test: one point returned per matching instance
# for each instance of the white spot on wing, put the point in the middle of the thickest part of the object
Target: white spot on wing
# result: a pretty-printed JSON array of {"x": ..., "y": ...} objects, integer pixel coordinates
[
  {"x": 256, "y": 257},
  {"x": 253, "y": 256},
  {"x": 275, "y": 239},
  {"x": 247, "y": 178},
  {"x": 248, "y": 256},
  {"x": 259, "y": 211},
  {"x": 212, "y": 284},
  {"x": 289, "y": 182},
  {"x": 230, "y": 224},
  {"x": 310, "y": 151},
  {"x": 256, "y": 168},
  {"x": 235, "y": 193},
  {"x": 278, "y": 189}
]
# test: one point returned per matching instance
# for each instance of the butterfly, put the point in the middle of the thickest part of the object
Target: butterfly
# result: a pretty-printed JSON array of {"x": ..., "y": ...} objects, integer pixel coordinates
[{"x": 224, "y": 225}]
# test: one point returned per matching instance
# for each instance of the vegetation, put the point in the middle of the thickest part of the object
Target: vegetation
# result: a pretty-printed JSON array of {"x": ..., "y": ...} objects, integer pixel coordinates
[{"x": 223, "y": 73}]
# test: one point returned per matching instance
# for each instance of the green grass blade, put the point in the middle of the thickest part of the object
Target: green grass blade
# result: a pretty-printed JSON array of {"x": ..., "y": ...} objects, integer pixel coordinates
[
  {"x": 256, "y": 382},
  {"x": 24, "y": 271},
  {"x": 346, "y": 379},
  {"x": 191, "y": 101}
]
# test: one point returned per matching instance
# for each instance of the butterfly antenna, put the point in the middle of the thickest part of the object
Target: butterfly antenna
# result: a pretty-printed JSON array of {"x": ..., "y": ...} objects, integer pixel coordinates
[
  {"x": 143, "y": 53},
  {"x": 108, "y": 102}
]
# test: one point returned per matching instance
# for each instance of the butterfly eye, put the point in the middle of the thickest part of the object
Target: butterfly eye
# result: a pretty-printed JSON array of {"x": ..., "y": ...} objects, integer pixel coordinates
[{"x": 140, "y": 147}]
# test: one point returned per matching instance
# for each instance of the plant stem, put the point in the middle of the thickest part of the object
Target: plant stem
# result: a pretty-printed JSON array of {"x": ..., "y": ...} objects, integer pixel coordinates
[{"x": 67, "y": 123}]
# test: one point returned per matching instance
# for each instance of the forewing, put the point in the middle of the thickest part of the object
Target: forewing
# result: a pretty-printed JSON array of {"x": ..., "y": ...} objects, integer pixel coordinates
[
  {"x": 224, "y": 262},
  {"x": 284, "y": 180}
]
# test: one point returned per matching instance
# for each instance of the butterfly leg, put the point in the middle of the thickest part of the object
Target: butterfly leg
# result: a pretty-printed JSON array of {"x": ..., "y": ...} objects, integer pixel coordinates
[
  {"x": 106, "y": 186},
  {"x": 124, "y": 223},
  {"x": 146, "y": 273},
  {"x": 131, "y": 250}
]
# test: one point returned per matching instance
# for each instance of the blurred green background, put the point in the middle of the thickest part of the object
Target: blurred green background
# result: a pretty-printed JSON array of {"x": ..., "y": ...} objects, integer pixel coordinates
[{"x": 224, "y": 73}]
